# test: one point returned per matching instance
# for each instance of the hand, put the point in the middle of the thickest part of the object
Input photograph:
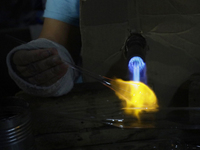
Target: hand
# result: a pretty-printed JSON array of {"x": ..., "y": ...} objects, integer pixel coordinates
[{"x": 42, "y": 67}]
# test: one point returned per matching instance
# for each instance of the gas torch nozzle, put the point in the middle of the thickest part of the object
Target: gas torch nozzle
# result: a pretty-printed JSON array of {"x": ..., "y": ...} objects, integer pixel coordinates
[{"x": 135, "y": 52}]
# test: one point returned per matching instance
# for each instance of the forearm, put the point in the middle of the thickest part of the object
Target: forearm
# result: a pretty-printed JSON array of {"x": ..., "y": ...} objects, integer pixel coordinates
[{"x": 64, "y": 34}]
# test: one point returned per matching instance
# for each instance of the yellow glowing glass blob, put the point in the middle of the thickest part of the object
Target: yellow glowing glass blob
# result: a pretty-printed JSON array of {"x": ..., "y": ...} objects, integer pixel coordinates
[{"x": 137, "y": 95}]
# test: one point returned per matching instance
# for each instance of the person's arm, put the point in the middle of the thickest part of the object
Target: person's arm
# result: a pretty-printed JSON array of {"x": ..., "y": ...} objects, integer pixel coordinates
[
  {"x": 44, "y": 67},
  {"x": 39, "y": 67},
  {"x": 46, "y": 71},
  {"x": 64, "y": 34}
]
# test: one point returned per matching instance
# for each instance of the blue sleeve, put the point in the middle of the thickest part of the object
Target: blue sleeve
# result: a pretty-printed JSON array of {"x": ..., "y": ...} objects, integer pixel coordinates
[{"x": 63, "y": 10}]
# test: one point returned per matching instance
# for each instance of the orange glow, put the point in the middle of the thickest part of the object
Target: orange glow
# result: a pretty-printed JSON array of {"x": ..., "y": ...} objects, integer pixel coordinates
[{"x": 138, "y": 97}]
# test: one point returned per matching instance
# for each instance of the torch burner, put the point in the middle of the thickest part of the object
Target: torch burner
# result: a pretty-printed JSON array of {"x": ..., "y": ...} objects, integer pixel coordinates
[{"x": 135, "y": 52}]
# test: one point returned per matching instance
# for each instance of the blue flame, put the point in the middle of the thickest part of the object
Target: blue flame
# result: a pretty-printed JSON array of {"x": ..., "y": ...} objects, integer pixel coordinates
[{"x": 136, "y": 65}]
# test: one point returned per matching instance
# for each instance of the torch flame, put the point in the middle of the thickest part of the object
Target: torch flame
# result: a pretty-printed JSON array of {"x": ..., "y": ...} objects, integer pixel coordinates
[{"x": 137, "y": 96}]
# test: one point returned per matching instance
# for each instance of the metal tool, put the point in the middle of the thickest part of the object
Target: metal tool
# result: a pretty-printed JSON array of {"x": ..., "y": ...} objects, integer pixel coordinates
[{"x": 100, "y": 78}]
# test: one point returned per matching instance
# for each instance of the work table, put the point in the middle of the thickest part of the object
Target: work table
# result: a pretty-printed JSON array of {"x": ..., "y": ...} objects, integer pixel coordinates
[{"x": 76, "y": 121}]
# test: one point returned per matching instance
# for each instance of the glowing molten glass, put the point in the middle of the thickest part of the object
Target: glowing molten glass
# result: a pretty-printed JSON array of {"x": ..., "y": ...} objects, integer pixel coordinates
[{"x": 138, "y": 96}]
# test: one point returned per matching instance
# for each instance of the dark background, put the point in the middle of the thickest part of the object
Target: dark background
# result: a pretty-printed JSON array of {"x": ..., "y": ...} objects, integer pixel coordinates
[{"x": 16, "y": 17}]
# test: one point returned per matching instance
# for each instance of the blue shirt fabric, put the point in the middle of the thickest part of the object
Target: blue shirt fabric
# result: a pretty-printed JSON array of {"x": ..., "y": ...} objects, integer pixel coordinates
[{"x": 63, "y": 10}]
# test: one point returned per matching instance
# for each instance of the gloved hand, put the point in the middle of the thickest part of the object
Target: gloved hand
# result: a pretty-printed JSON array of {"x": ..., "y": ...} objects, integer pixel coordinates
[{"x": 42, "y": 67}]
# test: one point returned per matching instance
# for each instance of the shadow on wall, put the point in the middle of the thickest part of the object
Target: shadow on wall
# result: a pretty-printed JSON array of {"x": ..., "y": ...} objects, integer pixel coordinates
[
  {"x": 16, "y": 19},
  {"x": 8, "y": 86},
  {"x": 21, "y": 13}
]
